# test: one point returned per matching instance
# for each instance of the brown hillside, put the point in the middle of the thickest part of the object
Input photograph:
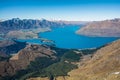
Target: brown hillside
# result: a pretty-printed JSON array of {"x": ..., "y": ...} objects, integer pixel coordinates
[
  {"x": 107, "y": 28},
  {"x": 104, "y": 65},
  {"x": 23, "y": 58}
]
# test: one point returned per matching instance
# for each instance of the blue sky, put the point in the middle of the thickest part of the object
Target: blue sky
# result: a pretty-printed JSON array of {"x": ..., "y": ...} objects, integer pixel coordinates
[{"x": 75, "y": 10}]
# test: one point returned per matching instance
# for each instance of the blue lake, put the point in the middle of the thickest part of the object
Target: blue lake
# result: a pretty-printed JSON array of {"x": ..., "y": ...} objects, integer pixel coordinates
[{"x": 65, "y": 37}]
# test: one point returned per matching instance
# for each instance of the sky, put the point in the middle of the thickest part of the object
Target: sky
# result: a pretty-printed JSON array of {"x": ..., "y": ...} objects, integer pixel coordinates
[{"x": 70, "y": 10}]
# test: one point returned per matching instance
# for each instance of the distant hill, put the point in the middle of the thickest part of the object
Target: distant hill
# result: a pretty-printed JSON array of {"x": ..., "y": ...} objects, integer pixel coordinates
[
  {"x": 107, "y": 28},
  {"x": 73, "y": 22}
]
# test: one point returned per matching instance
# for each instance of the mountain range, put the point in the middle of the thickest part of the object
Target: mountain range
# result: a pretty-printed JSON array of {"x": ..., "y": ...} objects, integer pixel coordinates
[{"x": 17, "y": 24}]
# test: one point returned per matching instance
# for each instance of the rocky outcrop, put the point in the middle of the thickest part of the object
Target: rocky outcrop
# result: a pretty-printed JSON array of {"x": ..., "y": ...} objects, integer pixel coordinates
[
  {"x": 107, "y": 28},
  {"x": 23, "y": 58}
]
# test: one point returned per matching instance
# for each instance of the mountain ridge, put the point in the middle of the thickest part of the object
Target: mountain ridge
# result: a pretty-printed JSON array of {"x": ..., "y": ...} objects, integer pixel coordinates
[
  {"x": 104, "y": 63},
  {"x": 22, "y": 59},
  {"x": 16, "y": 24}
]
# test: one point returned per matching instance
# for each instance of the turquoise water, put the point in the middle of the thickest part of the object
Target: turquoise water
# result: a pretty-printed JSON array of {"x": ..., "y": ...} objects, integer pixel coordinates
[{"x": 66, "y": 37}]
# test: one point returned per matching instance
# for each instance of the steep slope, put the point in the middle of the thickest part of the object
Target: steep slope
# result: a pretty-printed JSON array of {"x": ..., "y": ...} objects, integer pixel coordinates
[
  {"x": 104, "y": 65},
  {"x": 107, "y": 28}
]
